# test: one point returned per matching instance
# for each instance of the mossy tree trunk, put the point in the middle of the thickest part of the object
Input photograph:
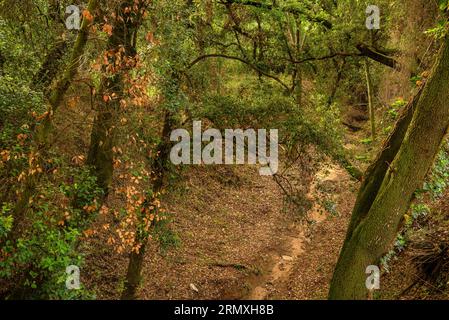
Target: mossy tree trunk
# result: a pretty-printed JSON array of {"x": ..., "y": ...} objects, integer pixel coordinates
[
  {"x": 375, "y": 174},
  {"x": 54, "y": 59},
  {"x": 43, "y": 131},
  {"x": 373, "y": 235},
  {"x": 50, "y": 67}
]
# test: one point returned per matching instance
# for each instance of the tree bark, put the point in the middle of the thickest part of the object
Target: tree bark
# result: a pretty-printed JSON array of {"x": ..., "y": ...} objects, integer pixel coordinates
[
  {"x": 377, "y": 56},
  {"x": 50, "y": 68},
  {"x": 375, "y": 174},
  {"x": 373, "y": 235}
]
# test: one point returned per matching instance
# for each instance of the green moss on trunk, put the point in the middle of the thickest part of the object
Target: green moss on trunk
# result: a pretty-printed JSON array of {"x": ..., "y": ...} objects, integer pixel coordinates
[
  {"x": 43, "y": 131},
  {"x": 374, "y": 234}
]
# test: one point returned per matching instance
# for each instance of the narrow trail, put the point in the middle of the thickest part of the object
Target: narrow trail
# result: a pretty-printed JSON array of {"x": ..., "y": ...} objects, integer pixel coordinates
[{"x": 287, "y": 269}]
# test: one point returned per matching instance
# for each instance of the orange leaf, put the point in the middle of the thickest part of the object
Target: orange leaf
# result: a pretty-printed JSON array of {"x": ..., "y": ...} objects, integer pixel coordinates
[
  {"x": 87, "y": 15},
  {"x": 108, "y": 29},
  {"x": 5, "y": 154},
  {"x": 150, "y": 37}
]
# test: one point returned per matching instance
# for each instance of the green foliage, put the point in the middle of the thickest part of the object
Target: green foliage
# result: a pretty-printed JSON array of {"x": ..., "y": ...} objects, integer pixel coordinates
[
  {"x": 40, "y": 257},
  {"x": 443, "y": 5},
  {"x": 396, "y": 107},
  {"x": 367, "y": 141},
  {"x": 399, "y": 245},
  {"x": 331, "y": 207},
  {"x": 418, "y": 210},
  {"x": 6, "y": 220},
  {"x": 43, "y": 255},
  {"x": 167, "y": 237},
  {"x": 17, "y": 101},
  {"x": 438, "y": 181},
  {"x": 440, "y": 30},
  {"x": 263, "y": 108},
  {"x": 329, "y": 118},
  {"x": 83, "y": 192}
]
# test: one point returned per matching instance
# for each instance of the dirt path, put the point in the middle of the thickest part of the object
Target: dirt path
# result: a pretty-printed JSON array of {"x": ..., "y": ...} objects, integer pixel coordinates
[{"x": 304, "y": 271}]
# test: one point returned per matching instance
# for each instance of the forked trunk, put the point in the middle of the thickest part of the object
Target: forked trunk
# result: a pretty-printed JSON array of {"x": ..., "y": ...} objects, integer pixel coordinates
[{"x": 373, "y": 235}]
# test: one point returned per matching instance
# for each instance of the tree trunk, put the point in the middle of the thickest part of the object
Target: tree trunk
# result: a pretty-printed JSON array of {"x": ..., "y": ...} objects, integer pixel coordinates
[
  {"x": 339, "y": 69},
  {"x": 2, "y": 63},
  {"x": 373, "y": 235},
  {"x": 134, "y": 274},
  {"x": 100, "y": 155},
  {"x": 50, "y": 67},
  {"x": 160, "y": 168},
  {"x": 298, "y": 76},
  {"x": 369, "y": 87},
  {"x": 375, "y": 173},
  {"x": 43, "y": 132}
]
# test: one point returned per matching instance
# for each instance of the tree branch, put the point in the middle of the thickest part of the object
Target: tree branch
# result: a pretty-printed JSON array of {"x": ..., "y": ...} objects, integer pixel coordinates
[
  {"x": 376, "y": 56},
  {"x": 216, "y": 55},
  {"x": 365, "y": 51}
]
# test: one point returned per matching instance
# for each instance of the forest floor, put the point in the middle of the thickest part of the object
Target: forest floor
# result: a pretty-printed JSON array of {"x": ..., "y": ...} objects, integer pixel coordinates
[
  {"x": 233, "y": 235},
  {"x": 235, "y": 240},
  {"x": 404, "y": 280}
]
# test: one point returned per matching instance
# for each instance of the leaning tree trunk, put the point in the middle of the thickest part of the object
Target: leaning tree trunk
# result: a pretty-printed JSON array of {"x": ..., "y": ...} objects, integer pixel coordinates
[
  {"x": 373, "y": 235},
  {"x": 50, "y": 67},
  {"x": 375, "y": 174},
  {"x": 43, "y": 131},
  {"x": 53, "y": 61}
]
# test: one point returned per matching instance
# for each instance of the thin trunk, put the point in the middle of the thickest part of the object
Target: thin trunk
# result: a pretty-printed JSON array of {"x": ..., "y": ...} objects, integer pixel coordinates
[
  {"x": 159, "y": 172},
  {"x": 2, "y": 63},
  {"x": 298, "y": 70},
  {"x": 338, "y": 79},
  {"x": 369, "y": 87},
  {"x": 373, "y": 235}
]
